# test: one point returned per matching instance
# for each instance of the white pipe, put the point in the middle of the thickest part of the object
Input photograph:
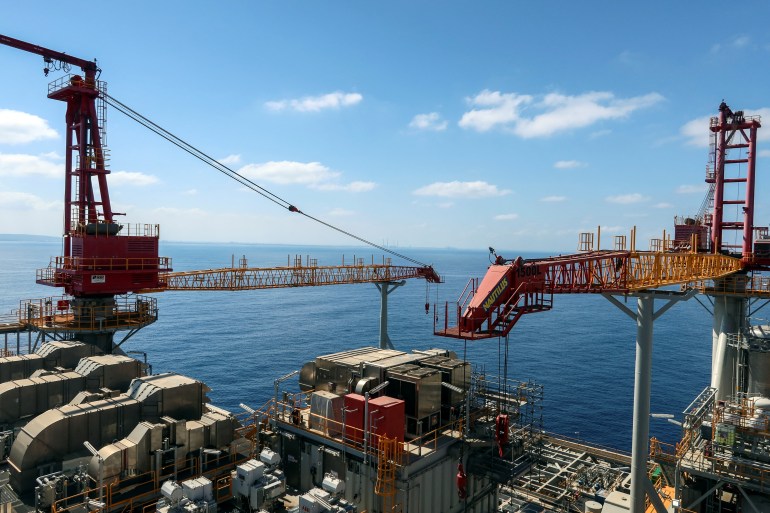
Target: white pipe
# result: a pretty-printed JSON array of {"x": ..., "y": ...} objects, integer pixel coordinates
[{"x": 642, "y": 381}]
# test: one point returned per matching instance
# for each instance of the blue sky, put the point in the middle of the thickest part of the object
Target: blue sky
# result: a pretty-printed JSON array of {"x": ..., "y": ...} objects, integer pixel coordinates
[{"x": 413, "y": 124}]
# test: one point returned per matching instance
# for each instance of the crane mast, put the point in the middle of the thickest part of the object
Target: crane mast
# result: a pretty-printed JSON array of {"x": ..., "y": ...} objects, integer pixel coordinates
[
  {"x": 734, "y": 131},
  {"x": 99, "y": 262},
  {"x": 731, "y": 182}
]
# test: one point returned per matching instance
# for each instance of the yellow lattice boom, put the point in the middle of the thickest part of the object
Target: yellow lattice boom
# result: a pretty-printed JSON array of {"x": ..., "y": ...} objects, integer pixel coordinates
[
  {"x": 658, "y": 269},
  {"x": 626, "y": 271},
  {"x": 298, "y": 275}
]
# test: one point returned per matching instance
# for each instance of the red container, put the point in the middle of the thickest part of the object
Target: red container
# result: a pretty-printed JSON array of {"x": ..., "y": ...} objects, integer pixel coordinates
[
  {"x": 354, "y": 418},
  {"x": 387, "y": 417},
  {"x": 386, "y": 414}
]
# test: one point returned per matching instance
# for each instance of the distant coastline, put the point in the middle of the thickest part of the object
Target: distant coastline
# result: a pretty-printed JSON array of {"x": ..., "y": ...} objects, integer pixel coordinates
[{"x": 19, "y": 237}]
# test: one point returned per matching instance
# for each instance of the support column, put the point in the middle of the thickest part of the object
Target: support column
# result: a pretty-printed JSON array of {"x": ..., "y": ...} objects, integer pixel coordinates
[
  {"x": 729, "y": 315},
  {"x": 642, "y": 380},
  {"x": 385, "y": 288},
  {"x": 645, "y": 317}
]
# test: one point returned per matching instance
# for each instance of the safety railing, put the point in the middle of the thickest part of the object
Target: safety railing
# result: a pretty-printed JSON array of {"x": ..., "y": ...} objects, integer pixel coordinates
[
  {"x": 740, "y": 469},
  {"x": 296, "y": 412},
  {"x": 744, "y": 416},
  {"x": 9, "y": 319},
  {"x": 662, "y": 451},
  {"x": 62, "y": 313},
  {"x": 61, "y": 263},
  {"x": 703, "y": 455},
  {"x": 70, "y": 80},
  {"x": 119, "y": 494},
  {"x": 127, "y": 229},
  {"x": 660, "y": 269},
  {"x": 714, "y": 121}
]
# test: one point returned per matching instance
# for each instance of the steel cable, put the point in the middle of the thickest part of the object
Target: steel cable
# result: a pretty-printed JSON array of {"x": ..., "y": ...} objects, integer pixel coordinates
[{"x": 207, "y": 159}]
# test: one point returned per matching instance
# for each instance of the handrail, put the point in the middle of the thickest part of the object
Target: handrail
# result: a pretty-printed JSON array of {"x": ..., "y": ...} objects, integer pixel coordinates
[
  {"x": 349, "y": 436},
  {"x": 59, "y": 312},
  {"x": 73, "y": 503}
]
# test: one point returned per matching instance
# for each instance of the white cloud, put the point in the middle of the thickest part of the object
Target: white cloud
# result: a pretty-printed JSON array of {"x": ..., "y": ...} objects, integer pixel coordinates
[
  {"x": 662, "y": 205},
  {"x": 18, "y": 127},
  {"x": 631, "y": 60},
  {"x": 350, "y": 187},
  {"x": 26, "y": 201},
  {"x": 569, "y": 112},
  {"x": 612, "y": 229},
  {"x": 18, "y": 164},
  {"x": 456, "y": 189},
  {"x": 498, "y": 109},
  {"x": 737, "y": 43},
  {"x": 310, "y": 174},
  {"x": 190, "y": 192},
  {"x": 626, "y": 199},
  {"x": 692, "y": 189},
  {"x": 506, "y": 217},
  {"x": 599, "y": 133},
  {"x": 696, "y": 132},
  {"x": 551, "y": 114},
  {"x": 131, "y": 178},
  {"x": 740, "y": 41},
  {"x": 230, "y": 159},
  {"x": 553, "y": 199},
  {"x": 340, "y": 212},
  {"x": 431, "y": 121},
  {"x": 333, "y": 100},
  {"x": 569, "y": 164},
  {"x": 286, "y": 172}
]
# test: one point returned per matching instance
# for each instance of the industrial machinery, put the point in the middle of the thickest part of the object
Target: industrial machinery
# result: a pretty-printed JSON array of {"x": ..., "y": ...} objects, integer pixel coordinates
[
  {"x": 399, "y": 421},
  {"x": 701, "y": 257},
  {"x": 158, "y": 427},
  {"x": 699, "y": 250}
]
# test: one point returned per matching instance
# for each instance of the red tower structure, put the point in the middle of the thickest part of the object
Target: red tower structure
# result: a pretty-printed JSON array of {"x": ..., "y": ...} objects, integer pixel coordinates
[
  {"x": 733, "y": 131},
  {"x": 730, "y": 174}
]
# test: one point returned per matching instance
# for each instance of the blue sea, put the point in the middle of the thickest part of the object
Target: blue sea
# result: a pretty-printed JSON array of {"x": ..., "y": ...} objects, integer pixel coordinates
[{"x": 582, "y": 351}]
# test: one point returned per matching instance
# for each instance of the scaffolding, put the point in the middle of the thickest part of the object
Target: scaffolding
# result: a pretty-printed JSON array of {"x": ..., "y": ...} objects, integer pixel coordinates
[
  {"x": 724, "y": 453},
  {"x": 567, "y": 475}
]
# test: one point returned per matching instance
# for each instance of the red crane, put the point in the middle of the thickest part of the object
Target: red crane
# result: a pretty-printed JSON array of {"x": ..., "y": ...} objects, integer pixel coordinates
[
  {"x": 512, "y": 288},
  {"x": 699, "y": 252},
  {"x": 105, "y": 260},
  {"x": 99, "y": 261}
]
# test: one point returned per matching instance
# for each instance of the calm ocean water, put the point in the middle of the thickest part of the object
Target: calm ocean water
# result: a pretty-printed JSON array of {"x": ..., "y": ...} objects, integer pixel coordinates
[{"x": 239, "y": 342}]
